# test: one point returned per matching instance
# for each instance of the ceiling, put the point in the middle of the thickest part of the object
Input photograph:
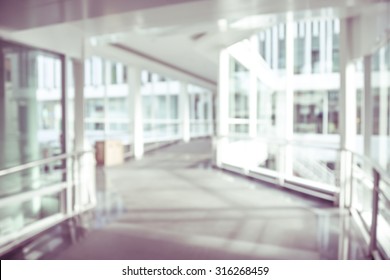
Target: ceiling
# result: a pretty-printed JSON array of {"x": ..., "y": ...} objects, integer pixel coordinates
[{"x": 185, "y": 35}]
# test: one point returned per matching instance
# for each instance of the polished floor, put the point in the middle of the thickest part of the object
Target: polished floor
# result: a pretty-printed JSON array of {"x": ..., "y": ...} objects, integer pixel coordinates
[{"x": 173, "y": 205}]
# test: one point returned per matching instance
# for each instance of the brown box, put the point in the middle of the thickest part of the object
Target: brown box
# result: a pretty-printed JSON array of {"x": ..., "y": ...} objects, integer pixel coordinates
[{"x": 109, "y": 152}]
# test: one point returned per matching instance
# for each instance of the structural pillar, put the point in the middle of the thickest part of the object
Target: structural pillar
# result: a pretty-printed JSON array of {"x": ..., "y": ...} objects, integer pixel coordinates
[
  {"x": 288, "y": 112},
  {"x": 78, "y": 71},
  {"x": 134, "y": 82},
  {"x": 347, "y": 105},
  {"x": 106, "y": 68},
  {"x": 252, "y": 103},
  {"x": 185, "y": 111},
  {"x": 383, "y": 155},
  {"x": 222, "y": 106}
]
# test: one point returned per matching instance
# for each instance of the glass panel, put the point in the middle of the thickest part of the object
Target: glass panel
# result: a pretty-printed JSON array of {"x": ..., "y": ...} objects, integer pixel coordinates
[
  {"x": 299, "y": 48},
  {"x": 30, "y": 115},
  {"x": 117, "y": 108},
  {"x": 239, "y": 91},
  {"x": 315, "y": 164},
  {"x": 380, "y": 84},
  {"x": 333, "y": 112},
  {"x": 268, "y": 156},
  {"x": 335, "y": 46},
  {"x": 309, "y": 112},
  {"x": 16, "y": 217},
  {"x": 239, "y": 128},
  {"x": 174, "y": 107},
  {"x": 264, "y": 110}
]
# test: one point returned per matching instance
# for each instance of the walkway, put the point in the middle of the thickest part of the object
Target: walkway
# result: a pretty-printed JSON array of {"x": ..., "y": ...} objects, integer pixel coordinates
[{"x": 172, "y": 205}]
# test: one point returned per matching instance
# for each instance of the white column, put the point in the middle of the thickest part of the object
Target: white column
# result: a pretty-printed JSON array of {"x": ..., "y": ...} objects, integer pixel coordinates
[
  {"x": 223, "y": 94},
  {"x": 67, "y": 200},
  {"x": 347, "y": 105},
  {"x": 289, "y": 129},
  {"x": 383, "y": 107},
  {"x": 222, "y": 106},
  {"x": 253, "y": 102},
  {"x": 134, "y": 83},
  {"x": 106, "y": 65},
  {"x": 347, "y": 89},
  {"x": 78, "y": 71},
  {"x": 289, "y": 101},
  {"x": 185, "y": 111}
]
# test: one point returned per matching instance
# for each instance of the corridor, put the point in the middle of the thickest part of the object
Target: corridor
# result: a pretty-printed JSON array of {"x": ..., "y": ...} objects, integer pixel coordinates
[{"x": 173, "y": 205}]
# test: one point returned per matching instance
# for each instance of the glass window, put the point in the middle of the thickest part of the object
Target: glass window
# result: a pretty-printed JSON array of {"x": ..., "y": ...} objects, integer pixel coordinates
[
  {"x": 309, "y": 112},
  {"x": 161, "y": 107},
  {"x": 174, "y": 107},
  {"x": 97, "y": 71},
  {"x": 299, "y": 48},
  {"x": 262, "y": 43},
  {"x": 359, "y": 111},
  {"x": 147, "y": 107},
  {"x": 87, "y": 71},
  {"x": 124, "y": 79},
  {"x": 335, "y": 46},
  {"x": 95, "y": 108},
  {"x": 239, "y": 91},
  {"x": 30, "y": 126},
  {"x": 264, "y": 109},
  {"x": 114, "y": 76},
  {"x": 333, "y": 111},
  {"x": 117, "y": 107},
  {"x": 315, "y": 48}
]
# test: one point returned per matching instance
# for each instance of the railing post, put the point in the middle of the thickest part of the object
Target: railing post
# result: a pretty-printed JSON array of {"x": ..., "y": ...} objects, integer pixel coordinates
[
  {"x": 345, "y": 179},
  {"x": 374, "y": 218}
]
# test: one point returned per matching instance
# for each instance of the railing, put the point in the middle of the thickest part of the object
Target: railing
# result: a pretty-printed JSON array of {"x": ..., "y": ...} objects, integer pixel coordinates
[
  {"x": 367, "y": 196},
  {"x": 350, "y": 180},
  {"x": 31, "y": 203},
  {"x": 313, "y": 169},
  {"x": 280, "y": 162}
]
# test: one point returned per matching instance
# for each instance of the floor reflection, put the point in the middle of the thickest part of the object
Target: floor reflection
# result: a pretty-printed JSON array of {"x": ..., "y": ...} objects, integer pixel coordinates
[
  {"x": 173, "y": 206},
  {"x": 337, "y": 234}
]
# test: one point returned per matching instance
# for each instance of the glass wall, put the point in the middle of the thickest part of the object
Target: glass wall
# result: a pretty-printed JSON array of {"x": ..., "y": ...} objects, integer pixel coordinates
[
  {"x": 316, "y": 46},
  {"x": 200, "y": 100},
  {"x": 272, "y": 46},
  {"x": 266, "y": 110},
  {"x": 316, "y": 112},
  {"x": 360, "y": 107},
  {"x": 107, "y": 101},
  {"x": 31, "y": 112},
  {"x": 380, "y": 78},
  {"x": 314, "y": 107},
  {"x": 160, "y": 99},
  {"x": 238, "y": 98}
]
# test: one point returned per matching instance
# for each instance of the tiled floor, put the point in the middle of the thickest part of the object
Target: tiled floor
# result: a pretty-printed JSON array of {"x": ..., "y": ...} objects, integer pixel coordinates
[{"x": 171, "y": 205}]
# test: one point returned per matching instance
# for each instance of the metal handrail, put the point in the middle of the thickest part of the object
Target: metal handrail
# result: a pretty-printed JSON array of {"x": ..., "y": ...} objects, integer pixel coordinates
[
  {"x": 281, "y": 142},
  {"x": 384, "y": 175},
  {"x": 40, "y": 162},
  {"x": 380, "y": 175}
]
